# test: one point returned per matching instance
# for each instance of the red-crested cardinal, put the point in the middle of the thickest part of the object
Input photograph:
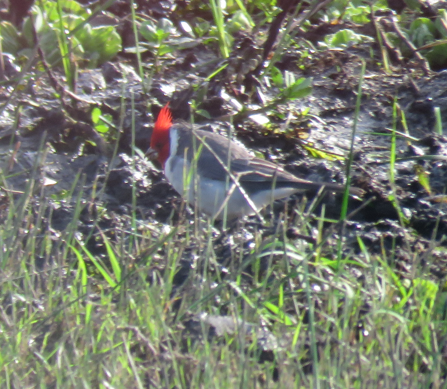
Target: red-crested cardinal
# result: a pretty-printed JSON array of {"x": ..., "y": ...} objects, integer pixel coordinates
[{"x": 221, "y": 173}]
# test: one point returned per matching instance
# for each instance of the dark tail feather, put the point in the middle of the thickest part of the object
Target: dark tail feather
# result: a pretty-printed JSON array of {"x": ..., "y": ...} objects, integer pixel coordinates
[{"x": 334, "y": 188}]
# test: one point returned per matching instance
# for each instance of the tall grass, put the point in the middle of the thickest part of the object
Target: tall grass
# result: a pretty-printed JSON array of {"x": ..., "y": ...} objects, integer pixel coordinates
[
  {"x": 65, "y": 323},
  {"x": 218, "y": 16},
  {"x": 69, "y": 66}
]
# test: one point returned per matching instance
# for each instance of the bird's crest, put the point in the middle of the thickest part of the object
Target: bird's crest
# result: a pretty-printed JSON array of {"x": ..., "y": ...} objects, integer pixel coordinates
[
  {"x": 160, "y": 135},
  {"x": 164, "y": 120}
]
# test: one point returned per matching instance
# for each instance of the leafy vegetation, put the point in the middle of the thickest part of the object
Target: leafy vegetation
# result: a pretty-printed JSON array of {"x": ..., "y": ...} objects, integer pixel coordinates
[
  {"x": 66, "y": 22},
  {"x": 97, "y": 291}
]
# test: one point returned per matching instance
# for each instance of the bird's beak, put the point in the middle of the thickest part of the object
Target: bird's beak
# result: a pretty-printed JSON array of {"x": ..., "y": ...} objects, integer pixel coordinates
[{"x": 151, "y": 154}]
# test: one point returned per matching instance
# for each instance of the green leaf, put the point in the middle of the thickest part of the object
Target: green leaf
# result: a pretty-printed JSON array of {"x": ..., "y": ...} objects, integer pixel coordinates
[
  {"x": 102, "y": 128},
  {"x": 422, "y": 31},
  {"x": 157, "y": 33},
  {"x": 344, "y": 38},
  {"x": 239, "y": 22},
  {"x": 166, "y": 26},
  {"x": 282, "y": 316},
  {"x": 99, "y": 43},
  {"x": 359, "y": 14},
  {"x": 423, "y": 22},
  {"x": 72, "y": 21},
  {"x": 441, "y": 22},
  {"x": 203, "y": 113},
  {"x": 422, "y": 177},
  {"x": 299, "y": 89},
  {"x": 321, "y": 154},
  {"x": 201, "y": 27},
  {"x": 98, "y": 266},
  {"x": 112, "y": 258},
  {"x": 277, "y": 77},
  {"x": 96, "y": 113},
  {"x": 10, "y": 38},
  {"x": 102, "y": 123},
  {"x": 68, "y": 7},
  {"x": 148, "y": 31},
  {"x": 165, "y": 49},
  {"x": 82, "y": 270},
  {"x": 437, "y": 56}
]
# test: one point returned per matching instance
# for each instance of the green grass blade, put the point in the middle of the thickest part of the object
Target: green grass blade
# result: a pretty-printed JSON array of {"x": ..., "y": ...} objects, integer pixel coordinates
[
  {"x": 64, "y": 48},
  {"x": 216, "y": 9},
  {"x": 112, "y": 258},
  {"x": 82, "y": 270},
  {"x": 98, "y": 266}
]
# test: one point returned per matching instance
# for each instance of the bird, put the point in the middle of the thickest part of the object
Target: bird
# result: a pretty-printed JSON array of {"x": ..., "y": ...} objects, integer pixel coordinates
[{"x": 218, "y": 175}]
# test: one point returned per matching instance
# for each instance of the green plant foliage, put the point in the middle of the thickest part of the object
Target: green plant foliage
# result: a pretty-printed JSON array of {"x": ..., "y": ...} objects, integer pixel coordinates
[
  {"x": 238, "y": 22},
  {"x": 344, "y": 38},
  {"x": 355, "y": 11},
  {"x": 157, "y": 32},
  {"x": 101, "y": 121},
  {"x": 267, "y": 7},
  {"x": 11, "y": 40},
  {"x": 321, "y": 154},
  {"x": 217, "y": 9},
  {"x": 290, "y": 87},
  {"x": 413, "y": 4},
  {"x": 422, "y": 177},
  {"x": 90, "y": 46},
  {"x": 156, "y": 35},
  {"x": 360, "y": 14},
  {"x": 296, "y": 89},
  {"x": 425, "y": 292},
  {"x": 201, "y": 27},
  {"x": 422, "y": 31},
  {"x": 437, "y": 56},
  {"x": 68, "y": 6},
  {"x": 100, "y": 44},
  {"x": 441, "y": 22},
  {"x": 162, "y": 37},
  {"x": 277, "y": 77}
]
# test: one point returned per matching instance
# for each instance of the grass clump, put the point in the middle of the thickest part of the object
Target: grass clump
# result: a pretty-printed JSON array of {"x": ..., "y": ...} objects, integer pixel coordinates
[{"x": 274, "y": 316}]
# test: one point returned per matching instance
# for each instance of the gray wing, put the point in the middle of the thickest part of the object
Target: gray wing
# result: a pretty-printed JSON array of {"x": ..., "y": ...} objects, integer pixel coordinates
[
  {"x": 254, "y": 174},
  {"x": 243, "y": 165}
]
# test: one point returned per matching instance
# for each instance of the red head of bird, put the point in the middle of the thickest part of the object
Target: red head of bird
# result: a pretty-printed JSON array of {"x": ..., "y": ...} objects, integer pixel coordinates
[{"x": 160, "y": 135}]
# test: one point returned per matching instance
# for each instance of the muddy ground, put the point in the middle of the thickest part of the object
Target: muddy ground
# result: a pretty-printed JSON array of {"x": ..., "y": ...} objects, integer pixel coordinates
[
  {"x": 34, "y": 119},
  {"x": 55, "y": 138}
]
